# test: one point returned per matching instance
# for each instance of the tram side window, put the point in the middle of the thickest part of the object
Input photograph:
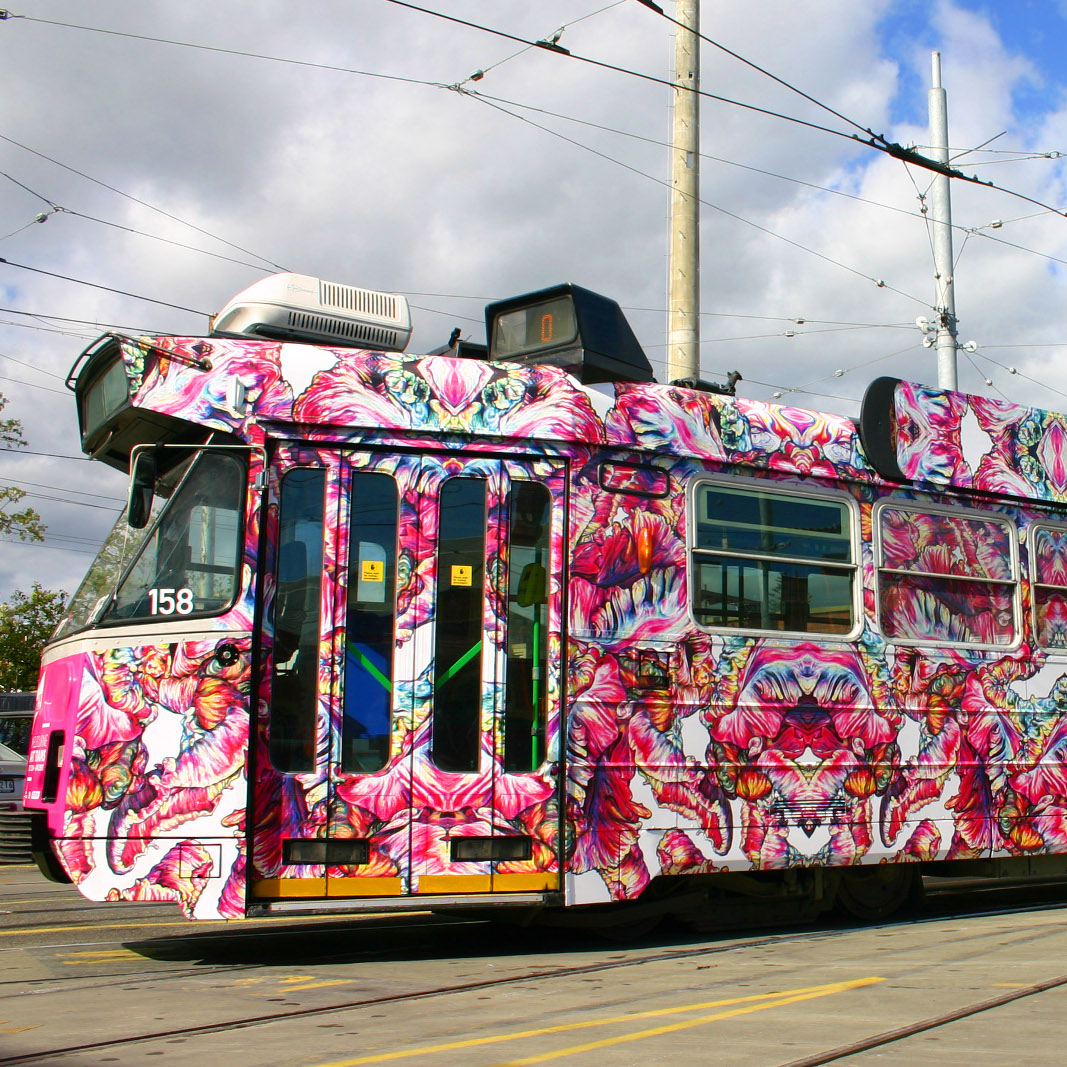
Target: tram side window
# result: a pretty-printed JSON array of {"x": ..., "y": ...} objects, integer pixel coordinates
[
  {"x": 946, "y": 578},
  {"x": 188, "y": 564},
  {"x": 1049, "y": 561},
  {"x": 767, "y": 560},
  {"x": 368, "y": 672},
  {"x": 297, "y": 600}
]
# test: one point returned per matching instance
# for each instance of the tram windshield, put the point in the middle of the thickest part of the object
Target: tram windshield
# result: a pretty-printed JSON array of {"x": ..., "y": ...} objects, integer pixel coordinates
[{"x": 184, "y": 562}]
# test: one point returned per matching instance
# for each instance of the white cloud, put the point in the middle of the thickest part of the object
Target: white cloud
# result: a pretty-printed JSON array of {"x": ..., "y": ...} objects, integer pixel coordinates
[{"x": 410, "y": 187}]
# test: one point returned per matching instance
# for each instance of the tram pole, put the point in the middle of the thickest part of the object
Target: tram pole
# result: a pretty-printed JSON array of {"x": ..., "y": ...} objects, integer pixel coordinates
[
  {"x": 941, "y": 222},
  {"x": 683, "y": 289}
]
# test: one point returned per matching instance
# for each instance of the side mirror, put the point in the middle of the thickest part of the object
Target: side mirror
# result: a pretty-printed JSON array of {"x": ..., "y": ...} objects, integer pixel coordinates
[{"x": 142, "y": 489}]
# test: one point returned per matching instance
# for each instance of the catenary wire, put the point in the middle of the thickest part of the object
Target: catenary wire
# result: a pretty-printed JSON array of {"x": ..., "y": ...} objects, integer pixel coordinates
[
  {"x": 63, "y": 318},
  {"x": 66, "y": 489},
  {"x": 877, "y": 141},
  {"x": 715, "y": 207},
  {"x": 755, "y": 66},
  {"x": 39, "y": 370},
  {"x": 137, "y": 200},
  {"x": 106, "y": 288},
  {"x": 481, "y": 72},
  {"x": 32, "y": 385}
]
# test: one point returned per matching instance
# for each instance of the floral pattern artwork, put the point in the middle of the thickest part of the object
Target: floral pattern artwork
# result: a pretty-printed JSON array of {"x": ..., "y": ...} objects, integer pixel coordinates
[
  {"x": 936, "y": 730},
  {"x": 155, "y": 778},
  {"x": 972, "y": 442}
]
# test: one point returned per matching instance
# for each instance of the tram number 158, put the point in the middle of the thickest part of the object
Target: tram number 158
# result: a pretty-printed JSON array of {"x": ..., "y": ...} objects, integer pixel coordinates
[{"x": 170, "y": 601}]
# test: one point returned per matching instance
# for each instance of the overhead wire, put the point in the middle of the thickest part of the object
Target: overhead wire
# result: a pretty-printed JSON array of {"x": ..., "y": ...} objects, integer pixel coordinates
[
  {"x": 755, "y": 66},
  {"x": 39, "y": 370},
  {"x": 39, "y": 544},
  {"x": 529, "y": 44},
  {"x": 55, "y": 208},
  {"x": 879, "y": 282},
  {"x": 64, "y": 318},
  {"x": 137, "y": 200},
  {"x": 876, "y": 141},
  {"x": 32, "y": 385},
  {"x": 77, "y": 492},
  {"x": 481, "y": 72},
  {"x": 106, "y": 288}
]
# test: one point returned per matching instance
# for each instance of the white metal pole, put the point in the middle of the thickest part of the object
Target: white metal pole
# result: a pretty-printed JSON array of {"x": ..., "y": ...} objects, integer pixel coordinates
[
  {"x": 683, "y": 296},
  {"x": 940, "y": 216}
]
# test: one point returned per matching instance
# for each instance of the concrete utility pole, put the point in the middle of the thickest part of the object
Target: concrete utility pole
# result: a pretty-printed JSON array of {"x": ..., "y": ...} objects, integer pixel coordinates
[
  {"x": 683, "y": 289},
  {"x": 940, "y": 216}
]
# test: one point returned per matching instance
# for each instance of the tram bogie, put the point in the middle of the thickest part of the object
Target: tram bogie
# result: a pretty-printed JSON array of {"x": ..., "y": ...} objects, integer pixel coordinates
[{"x": 462, "y": 630}]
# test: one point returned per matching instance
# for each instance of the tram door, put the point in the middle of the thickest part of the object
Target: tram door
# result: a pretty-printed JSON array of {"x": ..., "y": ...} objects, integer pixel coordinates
[{"x": 408, "y": 741}]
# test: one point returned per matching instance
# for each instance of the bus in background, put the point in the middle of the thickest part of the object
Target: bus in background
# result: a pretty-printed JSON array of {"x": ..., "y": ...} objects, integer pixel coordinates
[
  {"x": 513, "y": 626},
  {"x": 16, "y": 719}
]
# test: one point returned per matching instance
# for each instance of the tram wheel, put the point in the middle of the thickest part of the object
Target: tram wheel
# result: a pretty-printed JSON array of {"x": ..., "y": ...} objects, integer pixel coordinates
[{"x": 874, "y": 892}]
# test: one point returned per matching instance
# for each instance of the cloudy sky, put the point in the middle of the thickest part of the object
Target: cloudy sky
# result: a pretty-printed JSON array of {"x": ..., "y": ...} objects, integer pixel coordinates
[{"x": 183, "y": 174}]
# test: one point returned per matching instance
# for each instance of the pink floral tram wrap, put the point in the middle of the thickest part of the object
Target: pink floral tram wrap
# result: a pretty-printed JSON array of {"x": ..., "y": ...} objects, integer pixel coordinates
[{"x": 465, "y": 629}]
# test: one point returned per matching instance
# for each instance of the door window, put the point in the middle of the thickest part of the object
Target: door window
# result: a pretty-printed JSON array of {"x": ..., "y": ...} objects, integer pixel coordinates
[
  {"x": 368, "y": 662},
  {"x": 527, "y": 665},
  {"x": 296, "y": 621},
  {"x": 459, "y": 625}
]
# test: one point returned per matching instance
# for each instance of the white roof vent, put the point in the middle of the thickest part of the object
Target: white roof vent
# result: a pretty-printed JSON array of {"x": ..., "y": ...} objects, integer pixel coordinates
[{"x": 295, "y": 307}]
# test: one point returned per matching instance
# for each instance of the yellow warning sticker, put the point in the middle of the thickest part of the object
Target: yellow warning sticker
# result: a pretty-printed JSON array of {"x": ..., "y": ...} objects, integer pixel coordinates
[
  {"x": 462, "y": 575},
  {"x": 372, "y": 570}
]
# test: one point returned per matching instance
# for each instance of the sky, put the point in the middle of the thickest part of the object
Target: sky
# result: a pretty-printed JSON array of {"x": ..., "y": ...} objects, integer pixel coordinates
[{"x": 362, "y": 152}]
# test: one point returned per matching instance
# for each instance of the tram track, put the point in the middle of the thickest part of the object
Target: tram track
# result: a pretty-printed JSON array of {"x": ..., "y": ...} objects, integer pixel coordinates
[
  {"x": 250, "y": 1020},
  {"x": 374, "y": 955},
  {"x": 888, "y": 1037}
]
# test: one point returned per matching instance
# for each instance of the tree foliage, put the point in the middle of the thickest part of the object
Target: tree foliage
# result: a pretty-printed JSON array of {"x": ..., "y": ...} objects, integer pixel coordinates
[
  {"x": 26, "y": 623},
  {"x": 25, "y": 524}
]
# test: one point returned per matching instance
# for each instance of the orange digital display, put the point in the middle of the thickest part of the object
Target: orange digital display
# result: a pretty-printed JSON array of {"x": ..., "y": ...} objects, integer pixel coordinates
[{"x": 545, "y": 325}]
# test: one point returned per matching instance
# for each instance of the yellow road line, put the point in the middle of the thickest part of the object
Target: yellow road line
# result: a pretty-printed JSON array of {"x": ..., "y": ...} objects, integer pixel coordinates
[
  {"x": 43, "y": 899},
  {"x": 607, "y": 1042},
  {"x": 762, "y": 1001},
  {"x": 307, "y": 985},
  {"x": 74, "y": 959},
  {"x": 107, "y": 926}
]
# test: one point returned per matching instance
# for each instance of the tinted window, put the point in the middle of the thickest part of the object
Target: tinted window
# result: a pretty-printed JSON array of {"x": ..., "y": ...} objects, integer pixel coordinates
[
  {"x": 764, "y": 560},
  {"x": 368, "y": 672},
  {"x": 297, "y": 605},
  {"x": 459, "y": 625}
]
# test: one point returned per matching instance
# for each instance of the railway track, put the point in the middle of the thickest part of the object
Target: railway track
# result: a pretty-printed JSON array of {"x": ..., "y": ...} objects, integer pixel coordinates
[{"x": 226, "y": 943}]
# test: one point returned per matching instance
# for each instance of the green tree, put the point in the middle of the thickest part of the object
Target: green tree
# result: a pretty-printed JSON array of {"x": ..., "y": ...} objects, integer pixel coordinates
[
  {"x": 25, "y": 524},
  {"x": 26, "y": 623}
]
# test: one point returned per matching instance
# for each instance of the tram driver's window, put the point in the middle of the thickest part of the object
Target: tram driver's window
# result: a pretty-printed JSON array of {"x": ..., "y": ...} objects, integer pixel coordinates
[
  {"x": 188, "y": 563},
  {"x": 767, "y": 560}
]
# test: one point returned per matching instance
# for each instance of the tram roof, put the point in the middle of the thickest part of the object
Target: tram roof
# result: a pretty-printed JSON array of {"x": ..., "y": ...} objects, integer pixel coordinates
[{"x": 179, "y": 389}]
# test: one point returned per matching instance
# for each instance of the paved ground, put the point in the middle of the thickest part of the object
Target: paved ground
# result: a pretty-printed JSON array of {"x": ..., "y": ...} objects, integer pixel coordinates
[{"x": 130, "y": 984}]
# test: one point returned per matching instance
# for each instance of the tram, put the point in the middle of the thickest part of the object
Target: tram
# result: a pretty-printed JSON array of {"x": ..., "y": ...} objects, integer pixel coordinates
[{"x": 514, "y": 626}]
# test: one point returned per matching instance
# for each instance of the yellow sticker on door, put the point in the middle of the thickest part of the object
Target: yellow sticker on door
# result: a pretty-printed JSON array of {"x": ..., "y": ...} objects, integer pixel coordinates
[
  {"x": 372, "y": 570},
  {"x": 462, "y": 575}
]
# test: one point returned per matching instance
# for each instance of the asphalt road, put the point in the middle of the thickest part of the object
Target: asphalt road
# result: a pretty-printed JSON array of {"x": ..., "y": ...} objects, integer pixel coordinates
[{"x": 978, "y": 977}]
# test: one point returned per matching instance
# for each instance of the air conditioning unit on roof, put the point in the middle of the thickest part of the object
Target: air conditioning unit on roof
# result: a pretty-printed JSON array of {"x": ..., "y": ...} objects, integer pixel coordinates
[{"x": 296, "y": 307}]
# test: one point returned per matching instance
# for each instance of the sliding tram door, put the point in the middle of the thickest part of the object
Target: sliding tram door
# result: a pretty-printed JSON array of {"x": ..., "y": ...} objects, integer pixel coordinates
[{"x": 408, "y": 733}]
